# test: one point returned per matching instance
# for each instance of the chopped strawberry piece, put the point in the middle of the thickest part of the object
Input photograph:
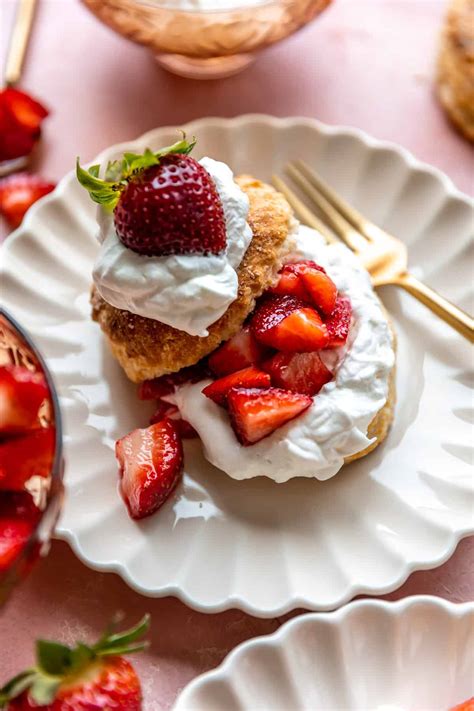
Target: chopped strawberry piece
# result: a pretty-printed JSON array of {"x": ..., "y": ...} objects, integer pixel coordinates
[
  {"x": 465, "y": 706},
  {"x": 18, "y": 192},
  {"x": 185, "y": 429},
  {"x": 21, "y": 394},
  {"x": 150, "y": 462},
  {"x": 165, "y": 409},
  {"x": 287, "y": 324},
  {"x": 255, "y": 413},
  {"x": 18, "y": 518},
  {"x": 339, "y": 322},
  {"x": 321, "y": 289},
  {"x": 301, "y": 331},
  {"x": 291, "y": 282},
  {"x": 237, "y": 353},
  {"x": 307, "y": 281},
  {"x": 25, "y": 456},
  {"x": 28, "y": 112},
  {"x": 270, "y": 312},
  {"x": 15, "y": 141},
  {"x": 166, "y": 384},
  {"x": 300, "y": 372},
  {"x": 247, "y": 378}
]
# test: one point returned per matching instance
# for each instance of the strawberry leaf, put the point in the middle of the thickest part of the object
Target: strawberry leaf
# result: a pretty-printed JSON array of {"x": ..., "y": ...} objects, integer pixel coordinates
[
  {"x": 16, "y": 686},
  {"x": 53, "y": 658},
  {"x": 101, "y": 191},
  {"x": 120, "y": 642},
  {"x": 43, "y": 689},
  {"x": 118, "y": 173}
]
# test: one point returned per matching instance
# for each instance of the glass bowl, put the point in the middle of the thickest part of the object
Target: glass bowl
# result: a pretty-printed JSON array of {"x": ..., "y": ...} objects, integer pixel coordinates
[
  {"x": 38, "y": 503},
  {"x": 206, "y": 39}
]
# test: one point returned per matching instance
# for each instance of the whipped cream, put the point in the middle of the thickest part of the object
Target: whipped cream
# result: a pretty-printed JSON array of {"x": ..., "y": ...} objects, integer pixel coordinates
[
  {"x": 335, "y": 426},
  {"x": 187, "y": 291}
]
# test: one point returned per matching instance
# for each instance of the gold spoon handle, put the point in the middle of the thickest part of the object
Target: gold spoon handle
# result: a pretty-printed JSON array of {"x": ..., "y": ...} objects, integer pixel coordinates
[
  {"x": 448, "y": 312},
  {"x": 19, "y": 40}
]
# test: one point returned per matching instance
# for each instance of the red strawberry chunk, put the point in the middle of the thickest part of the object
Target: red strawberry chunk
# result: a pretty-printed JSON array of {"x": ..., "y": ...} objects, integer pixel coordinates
[
  {"x": 321, "y": 289},
  {"x": 255, "y": 413},
  {"x": 171, "y": 208},
  {"x": 21, "y": 394},
  {"x": 299, "y": 372},
  {"x": 237, "y": 353},
  {"x": 287, "y": 324},
  {"x": 247, "y": 378},
  {"x": 166, "y": 384},
  {"x": 270, "y": 312},
  {"x": 339, "y": 322},
  {"x": 15, "y": 141},
  {"x": 165, "y": 409},
  {"x": 309, "y": 282},
  {"x": 28, "y": 112},
  {"x": 18, "y": 518},
  {"x": 290, "y": 283},
  {"x": 150, "y": 465},
  {"x": 25, "y": 456},
  {"x": 18, "y": 192}
]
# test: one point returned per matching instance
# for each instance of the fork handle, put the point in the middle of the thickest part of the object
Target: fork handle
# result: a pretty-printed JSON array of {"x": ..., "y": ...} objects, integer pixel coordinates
[{"x": 451, "y": 314}]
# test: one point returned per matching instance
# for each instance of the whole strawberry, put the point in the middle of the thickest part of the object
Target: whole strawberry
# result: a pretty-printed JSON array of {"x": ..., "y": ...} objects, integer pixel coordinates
[
  {"x": 81, "y": 678},
  {"x": 163, "y": 203}
]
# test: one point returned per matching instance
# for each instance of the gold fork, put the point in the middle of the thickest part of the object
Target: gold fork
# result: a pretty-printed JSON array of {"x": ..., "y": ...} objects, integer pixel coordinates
[{"x": 384, "y": 256}]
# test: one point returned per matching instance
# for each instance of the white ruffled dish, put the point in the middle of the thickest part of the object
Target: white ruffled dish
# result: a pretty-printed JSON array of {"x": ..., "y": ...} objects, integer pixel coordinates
[
  {"x": 412, "y": 655},
  {"x": 263, "y": 547}
]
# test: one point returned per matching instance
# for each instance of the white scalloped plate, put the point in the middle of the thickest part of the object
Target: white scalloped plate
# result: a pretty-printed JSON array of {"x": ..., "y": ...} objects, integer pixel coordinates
[
  {"x": 256, "y": 545},
  {"x": 413, "y": 655}
]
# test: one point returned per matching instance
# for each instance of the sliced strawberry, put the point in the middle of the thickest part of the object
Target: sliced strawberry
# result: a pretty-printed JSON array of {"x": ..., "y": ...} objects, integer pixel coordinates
[
  {"x": 18, "y": 518},
  {"x": 25, "y": 456},
  {"x": 237, "y": 353},
  {"x": 321, "y": 289},
  {"x": 28, "y": 112},
  {"x": 165, "y": 409},
  {"x": 18, "y": 192},
  {"x": 15, "y": 141},
  {"x": 247, "y": 378},
  {"x": 300, "y": 372},
  {"x": 307, "y": 281},
  {"x": 255, "y": 414},
  {"x": 291, "y": 282},
  {"x": 339, "y": 322},
  {"x": 151, "y": 462},
  {"x": 166, "y": 384},
  {"x": 270, "y": 311},
  {"x": 21, "y": 394},
  {"x": 287, "y": 324}
]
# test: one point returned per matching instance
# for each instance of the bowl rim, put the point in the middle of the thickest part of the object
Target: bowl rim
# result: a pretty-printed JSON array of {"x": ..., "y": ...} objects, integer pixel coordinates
[{"x": 334, "y": 618}]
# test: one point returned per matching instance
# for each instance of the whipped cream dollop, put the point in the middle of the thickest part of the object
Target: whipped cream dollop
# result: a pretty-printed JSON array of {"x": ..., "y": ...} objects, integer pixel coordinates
[
  {"x": 335, "y": 426},
  {"x": 187, "y": 291}
]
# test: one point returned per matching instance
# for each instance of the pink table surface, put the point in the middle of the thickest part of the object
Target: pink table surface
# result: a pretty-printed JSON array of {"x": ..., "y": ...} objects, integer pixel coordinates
[{"x": 368, "y": 64}]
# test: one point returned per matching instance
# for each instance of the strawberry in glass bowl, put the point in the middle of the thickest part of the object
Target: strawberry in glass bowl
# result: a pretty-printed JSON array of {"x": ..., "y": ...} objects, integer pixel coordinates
[{"x": 31, "y": 464}]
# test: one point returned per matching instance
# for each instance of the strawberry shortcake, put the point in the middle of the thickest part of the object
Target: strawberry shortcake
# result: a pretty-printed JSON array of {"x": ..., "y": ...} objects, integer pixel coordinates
[{"x": 246, "y": 328}]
